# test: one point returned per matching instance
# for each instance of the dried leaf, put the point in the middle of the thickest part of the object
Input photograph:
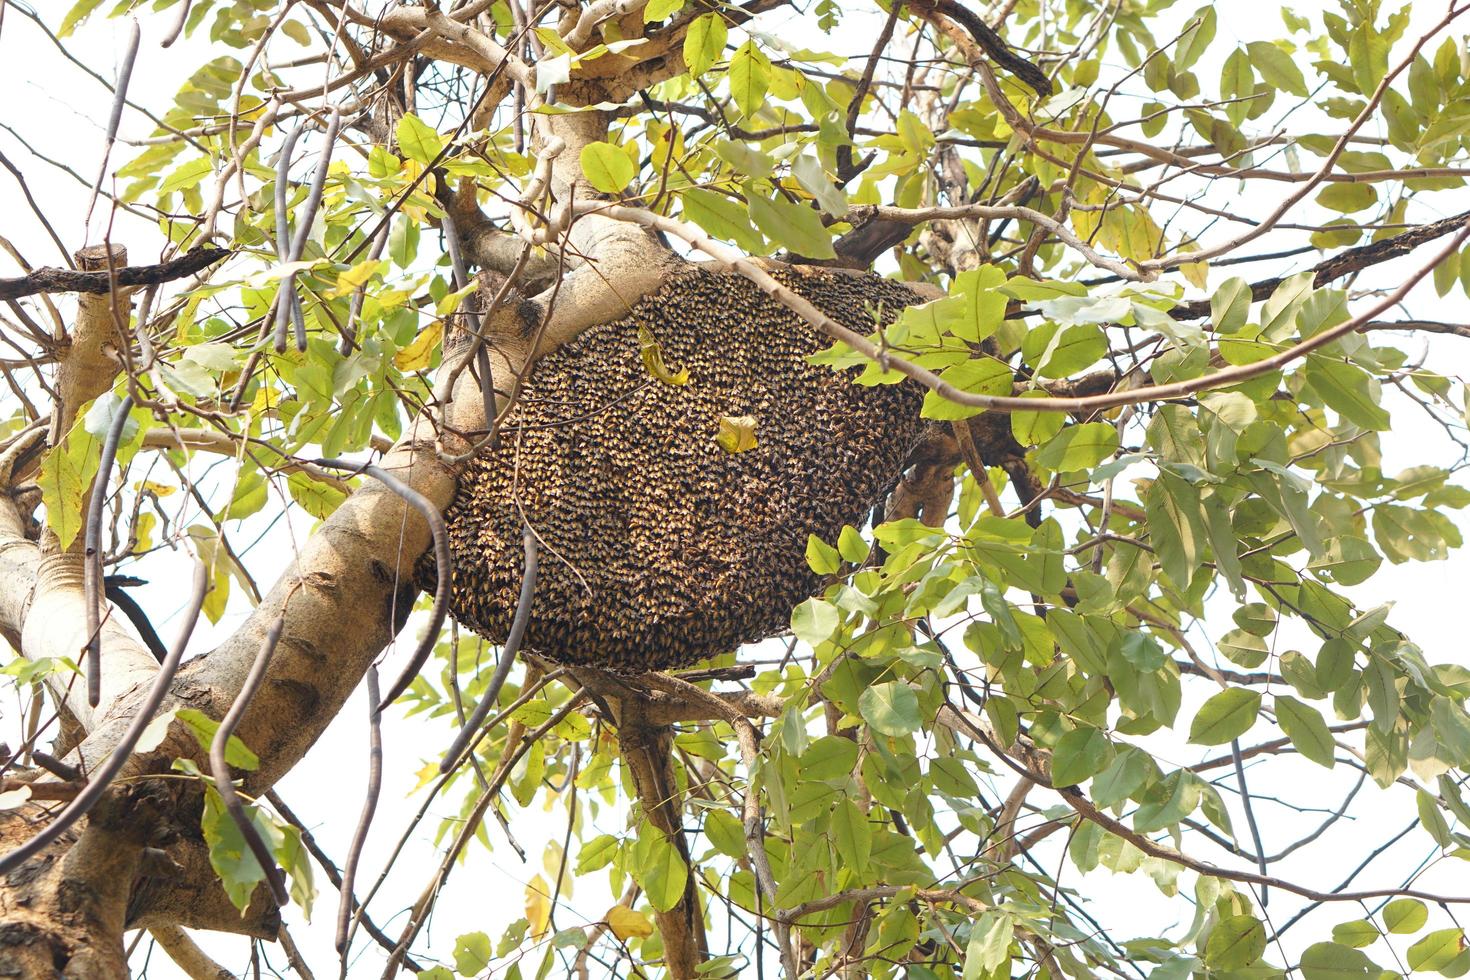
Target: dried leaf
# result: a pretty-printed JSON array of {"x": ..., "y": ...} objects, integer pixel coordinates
[{"x": 737, "y": 433}]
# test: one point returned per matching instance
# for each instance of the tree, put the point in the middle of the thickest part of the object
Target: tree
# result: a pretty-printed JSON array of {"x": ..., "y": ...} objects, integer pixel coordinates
[{"x": 1125, "y": 580}]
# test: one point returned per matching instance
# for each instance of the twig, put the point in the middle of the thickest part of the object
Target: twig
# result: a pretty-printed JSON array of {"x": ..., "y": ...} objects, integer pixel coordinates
[
  {"x": 1250, "y": 817},
  {"x": 92, "y": 551},
  {"x": 287, "y": 300},
  {"x": 369, "y": 806},
  {"x": 1008, "y": 403},
  {"x": 221, "y": 769},
  {"x": 105, "y": 773},
  {"x": 507, "y": 657},
  {"x": 443, "y": 564},
  {"x": 119, "y": 99}
]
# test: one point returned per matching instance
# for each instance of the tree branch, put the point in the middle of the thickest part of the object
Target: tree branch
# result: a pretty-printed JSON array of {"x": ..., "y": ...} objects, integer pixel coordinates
[{"x": 53, "y": 280}]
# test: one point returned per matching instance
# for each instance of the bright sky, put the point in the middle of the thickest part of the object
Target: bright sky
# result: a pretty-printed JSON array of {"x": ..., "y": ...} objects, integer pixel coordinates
[{"x": 61, "y": 113}]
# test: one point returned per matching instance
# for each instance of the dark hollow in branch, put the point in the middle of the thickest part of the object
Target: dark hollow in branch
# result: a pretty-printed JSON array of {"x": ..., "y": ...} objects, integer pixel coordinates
[
  {"x": 53, "y": 280},
  {"x": 442, "y": 559}
]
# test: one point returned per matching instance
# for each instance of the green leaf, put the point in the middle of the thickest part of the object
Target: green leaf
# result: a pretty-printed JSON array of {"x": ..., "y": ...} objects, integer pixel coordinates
[
  {"x": 1256, "y": 618},
  {"x": 1436, "y": 951},
  {"x": 725, "y": 833},
  {"x": 814, "y": 621},
  {"x": 1431, "y": 818},
  {"x": 239, "y": 872},
  {"x": 607, "y": 167},
  {"x": 1350, "y": 391},
  {"x": 661, "y": 10},
  {"x": 723, "y": 218},
  {"x": 821, "y": 556},
  {"x": 1175, "y": 526},
  {"x": 1332, "y": 961},
  {"x": 66, "y": 473},
  {"x": 315, "y": 497},
  {"x": 976, "y": 376},
  {"x": 418, "y": 140},
  {"x": 891, "y": 708},
  {"x": 78, "y": 13},
  {"x": 1195, "y": 39},
  {"x": 829, "y": 758},
  {"x": 185, "y": 176},
  {"x": 657, "y": 866},
  {"x": 989, "y": 948},
  {"x": 851, "y": 546},
  {"x": 1079, "y": 755},
  {"x": 1277, "y": 68},
  {"x": 852, "y": 835},
  {"x": 795, "y": 226},
  {"x": 750, "y": 78},
  {"x": 1079, "y": 447},
  {"x": 472, "y": 953},
  {"x": 1403, "y": 916},
  {"x": 809, "y": 173},
  {"x": 1357, "y": 933},
  {"x": 704, "y": 43},
  {"x": 1303, "y": 724},
  {"x": 1071, "y": 349},
  {"x": 1226, "y": 716},
  {"x": 1127, "y": 772},
  {"x": 204, "y": 729},
  {"x": 1236, "y": 942},
  {"x": 1334, "y": 667},
  {"x": 1034, "y": 428},
  {"x": 597, "y": 853}
]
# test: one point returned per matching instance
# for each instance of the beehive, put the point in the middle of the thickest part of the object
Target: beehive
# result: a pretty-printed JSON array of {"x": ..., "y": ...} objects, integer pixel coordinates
[{"x": 659, "y": 547}]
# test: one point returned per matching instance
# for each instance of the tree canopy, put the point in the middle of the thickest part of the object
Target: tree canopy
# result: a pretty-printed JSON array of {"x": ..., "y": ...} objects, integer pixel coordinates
[{"x": 1109, "y": 687}]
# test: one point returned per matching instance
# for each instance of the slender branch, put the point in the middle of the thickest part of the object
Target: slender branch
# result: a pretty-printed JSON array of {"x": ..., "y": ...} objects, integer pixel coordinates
[
  {"x": 53, "y": 280},
  {"x": 443, "y": 564},
  {"x": 507, "y": 656},
  {"x": 345, "y": 900},
  {"x": 221, "y": 769},
  {"x": 1007, "y": 403}
]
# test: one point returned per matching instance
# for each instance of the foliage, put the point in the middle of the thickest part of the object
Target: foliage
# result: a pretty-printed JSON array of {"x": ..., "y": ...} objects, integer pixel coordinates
[{"x": 1121, "y": 605}]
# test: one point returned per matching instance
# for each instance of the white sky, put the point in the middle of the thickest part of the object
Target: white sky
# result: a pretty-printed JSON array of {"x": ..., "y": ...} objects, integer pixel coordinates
[{"x": 61, "y": 113}]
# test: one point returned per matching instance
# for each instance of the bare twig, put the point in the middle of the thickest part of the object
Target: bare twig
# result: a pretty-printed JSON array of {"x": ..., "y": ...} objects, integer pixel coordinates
[
  {"x": 103, "y": 776},
  {"x": 507, "y": 657},
  {"x": 221, "y": 769}
]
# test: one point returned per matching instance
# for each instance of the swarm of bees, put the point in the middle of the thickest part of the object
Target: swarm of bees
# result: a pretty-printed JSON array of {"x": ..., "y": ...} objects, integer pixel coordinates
[{"x": 673, "y": 487}]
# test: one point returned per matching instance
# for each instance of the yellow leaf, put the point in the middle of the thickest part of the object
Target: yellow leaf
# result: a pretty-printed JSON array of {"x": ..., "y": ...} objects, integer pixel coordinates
[
  {"x": 65, "y": 474},
  {"x": 420, "y": 350},
  {"x": 156, "y": 488},
  {"x": 1197, "y": 273},
  {"x": 143, "y": 531},
  {"x": 538, "y": 905},
  {"x": 653, "y": 359},
  {"x": 354, "y": 277},
  {"x": 626, "y": 923},
  {"x": 266, "y": 398},
  {"x": 737, "y": 433},
  {"x": 427, "y": 775}
]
